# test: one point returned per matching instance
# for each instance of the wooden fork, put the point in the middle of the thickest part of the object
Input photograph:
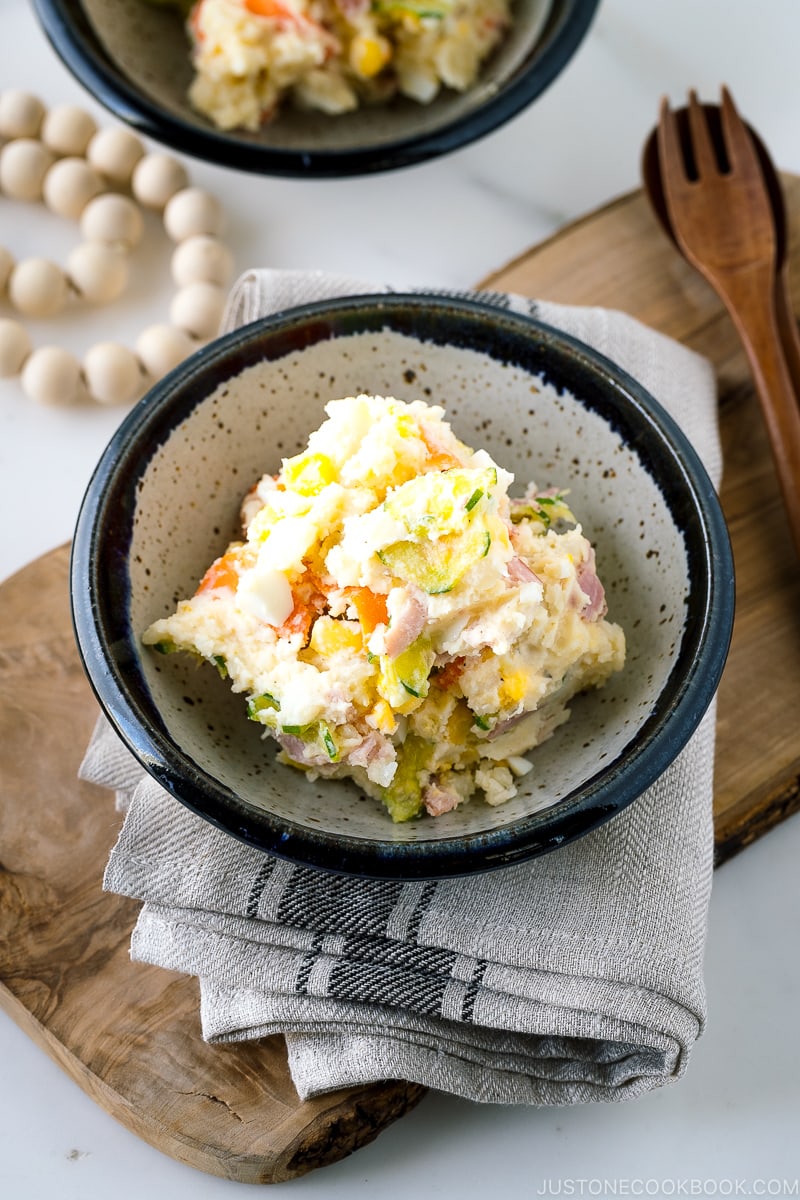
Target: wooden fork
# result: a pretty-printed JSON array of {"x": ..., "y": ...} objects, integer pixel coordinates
[{"x": 722, "y": 220}]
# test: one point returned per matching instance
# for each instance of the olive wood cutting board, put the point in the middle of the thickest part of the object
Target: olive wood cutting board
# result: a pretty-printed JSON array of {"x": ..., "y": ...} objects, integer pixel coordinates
[{"x": 129, "y": 1034}]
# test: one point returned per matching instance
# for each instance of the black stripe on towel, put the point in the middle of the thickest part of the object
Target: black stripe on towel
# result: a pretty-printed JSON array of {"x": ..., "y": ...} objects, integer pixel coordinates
[
  {"x": 307, "y": 966},
  {"x": 364, "y": 983},
  {"x": 258, "y": 885},
  {"x": 337, "y": 903},
  {"x": 422, "y": 906},
  {"x": 471, "y": 992}
]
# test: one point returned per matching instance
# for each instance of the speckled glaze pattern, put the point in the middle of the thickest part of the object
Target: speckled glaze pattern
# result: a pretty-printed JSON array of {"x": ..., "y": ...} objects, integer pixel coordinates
[
  {"x": 165, "y": 502},
  {"x": 134, "y": 57}
]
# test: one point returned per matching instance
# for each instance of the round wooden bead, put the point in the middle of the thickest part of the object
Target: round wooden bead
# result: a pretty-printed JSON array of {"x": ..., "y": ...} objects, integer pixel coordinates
[
  {"x": 23, "y": 166},
  {"x": 20, "y": 114},
  {"x": 52, "y": 376},
  {"x": 68, "y": 129},
  {"x": 69, "y": 185},
  {"x": 161, "y": 347},
  {"x": 191, "y": 212},
  {"x": 37, "y": 287},
  {"x": 114, "y": 153},
  {"x": 156, "y": 179},
  {"x": 15, "y": 346},
  {"x": 99, "y": 273},
  {"x": 113, "y": 219},
  {"x": 6, "y": 264},
  {"x": 198, "y": 309},
  {"x": 202, "y": 259},
  {"x": 112, "y": 373}
]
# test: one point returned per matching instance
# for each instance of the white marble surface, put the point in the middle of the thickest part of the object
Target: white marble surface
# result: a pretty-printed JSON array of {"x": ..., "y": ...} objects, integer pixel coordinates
[{"x": 730, "y": 1127}]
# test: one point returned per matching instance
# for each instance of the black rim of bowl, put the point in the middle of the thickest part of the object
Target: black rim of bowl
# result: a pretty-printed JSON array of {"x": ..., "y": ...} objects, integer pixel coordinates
[
  {"x": 108, "y": 646},
  {"x": 71, "y": 34}
]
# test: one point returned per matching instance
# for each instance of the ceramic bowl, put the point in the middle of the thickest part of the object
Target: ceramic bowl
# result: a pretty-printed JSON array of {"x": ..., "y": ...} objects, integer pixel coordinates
[
  {"x": 134, "y": 57},
  {"x": 164, "y": 503}
]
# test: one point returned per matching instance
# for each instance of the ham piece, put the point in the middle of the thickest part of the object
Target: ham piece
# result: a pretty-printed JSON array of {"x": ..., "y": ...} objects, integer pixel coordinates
[
  {"x": 407, "y": 622},
  {"x": 595, "y": 606},
  {"x": 373, "y": 747},
  {"x": 520, "y": 572},
  {"x": 303, "y": 752},
  {"x": 439, "y": 800}
]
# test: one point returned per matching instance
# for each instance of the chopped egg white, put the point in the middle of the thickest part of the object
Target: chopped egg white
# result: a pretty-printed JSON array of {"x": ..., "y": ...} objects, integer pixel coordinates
[{"x": 265, "y": 594}]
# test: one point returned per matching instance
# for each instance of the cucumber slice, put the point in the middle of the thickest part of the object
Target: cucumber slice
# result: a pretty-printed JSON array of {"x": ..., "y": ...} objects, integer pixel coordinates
[
  {"x": 436, "y": 566},
  {"x": 396, "y": 9},
  {"x": 257, "y": 704},
  {"x": 445, "y": 501},
  {"x": 404, "y": 679},
  {"x": 165, "y": 646},
  {"x": 544, "y": 509},
  {"x": 318, "y": 733},
  {"x": 326, "y": 737},
  {"x": 403, "y": 797},
  {"x": 413, "y": 667}
]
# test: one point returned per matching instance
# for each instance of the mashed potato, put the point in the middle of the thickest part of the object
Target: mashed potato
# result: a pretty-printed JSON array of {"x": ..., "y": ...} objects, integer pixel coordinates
[
  {"x": 332, "y": 55},
  {"x": 393, "y": 616}
]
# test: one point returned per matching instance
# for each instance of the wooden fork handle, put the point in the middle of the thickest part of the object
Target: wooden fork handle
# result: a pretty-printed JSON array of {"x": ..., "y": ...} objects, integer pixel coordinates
[
  {"x": 787, "y": 326},
  {"x": 750, "y": 299}
]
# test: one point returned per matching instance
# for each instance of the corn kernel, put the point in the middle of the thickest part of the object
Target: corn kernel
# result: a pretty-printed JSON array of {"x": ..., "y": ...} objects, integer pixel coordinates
[
  {"x": 513, "y": 687},
  {"x": 383, "y": 718},
  {"x": 459, "y": 724},
  {"x": 308, "y": 474},
  {"x": 329, "y": 636},
  {"x": 369, "y": 55},
  {"x": 262, "y": 524}
]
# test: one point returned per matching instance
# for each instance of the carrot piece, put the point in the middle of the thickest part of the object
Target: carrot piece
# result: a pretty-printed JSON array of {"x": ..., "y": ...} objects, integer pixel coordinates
[
  {"x": 222, "y": 573},
  {"x": 442, "y": 461},
  {"x": 268, "y": 8},
  {"x": 300, "y": 620},
  {"x": 370, "y": 607},
  {"x": 194, "y": 21},
  {"x": 309, "y": 602},
  {"x": 447, "y": 677},
  {"x": 438, "y": 458}
]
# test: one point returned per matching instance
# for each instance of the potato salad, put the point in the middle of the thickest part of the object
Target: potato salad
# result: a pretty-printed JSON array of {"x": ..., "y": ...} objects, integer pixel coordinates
[
  {"x": 250, "y": 56},
  {"x": 391, "y": 615}
]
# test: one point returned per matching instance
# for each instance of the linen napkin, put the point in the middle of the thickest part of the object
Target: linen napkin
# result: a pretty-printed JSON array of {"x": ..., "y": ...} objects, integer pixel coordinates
[{"x": 575, "y": 977}]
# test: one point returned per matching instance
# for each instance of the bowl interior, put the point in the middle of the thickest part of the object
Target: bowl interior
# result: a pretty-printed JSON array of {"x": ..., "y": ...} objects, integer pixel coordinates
[
  {"x": 534, "y": 400},
  {"x": 137, "y": 59}
]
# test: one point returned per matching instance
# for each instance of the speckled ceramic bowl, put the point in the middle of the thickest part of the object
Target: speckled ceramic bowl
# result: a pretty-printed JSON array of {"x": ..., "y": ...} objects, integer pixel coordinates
[
  {"x": 134, "y": 57},
  {"x": 164, "y": 502}
]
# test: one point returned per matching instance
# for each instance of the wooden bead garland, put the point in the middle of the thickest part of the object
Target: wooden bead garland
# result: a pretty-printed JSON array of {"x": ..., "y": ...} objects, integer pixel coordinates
[{"x": 81, "y": 172}]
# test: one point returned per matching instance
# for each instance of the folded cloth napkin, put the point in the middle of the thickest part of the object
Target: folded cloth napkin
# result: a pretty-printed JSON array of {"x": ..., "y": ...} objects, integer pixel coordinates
[{"x": 575, "y": 977}]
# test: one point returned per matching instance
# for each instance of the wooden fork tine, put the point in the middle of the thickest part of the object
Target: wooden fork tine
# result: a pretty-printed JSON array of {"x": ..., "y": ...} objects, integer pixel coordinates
[
  {"x": 705, "y": 160},
  {"x": 738, "y": 143},
  {"x": 670, "y": 152}
]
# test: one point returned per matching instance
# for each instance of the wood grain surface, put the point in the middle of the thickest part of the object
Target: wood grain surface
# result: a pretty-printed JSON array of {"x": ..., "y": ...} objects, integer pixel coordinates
[{"x": 129, "y": 1034}]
